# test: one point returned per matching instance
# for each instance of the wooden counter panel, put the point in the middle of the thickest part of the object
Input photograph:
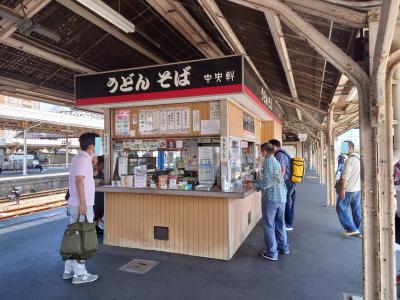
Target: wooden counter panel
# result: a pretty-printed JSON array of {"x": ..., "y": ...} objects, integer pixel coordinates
[
  {"x": 197, "y": 225},
  {"x": 239, "y": 228}
]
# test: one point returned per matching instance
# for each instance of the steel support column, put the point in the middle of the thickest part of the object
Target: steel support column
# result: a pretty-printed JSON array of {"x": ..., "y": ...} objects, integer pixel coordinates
[
  {"x": 396, "y": 114},
  {"x": 322, "y": 158},
  {"x": 25, "y": 166},
  {"x": 376, "y": 126},
  {"x": 66, "y": 151},
  {"x": 330, "y": 161}
]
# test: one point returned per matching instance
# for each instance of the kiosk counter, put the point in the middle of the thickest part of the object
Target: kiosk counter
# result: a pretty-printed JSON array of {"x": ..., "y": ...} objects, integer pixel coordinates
[{"x": 179, "y": 141}]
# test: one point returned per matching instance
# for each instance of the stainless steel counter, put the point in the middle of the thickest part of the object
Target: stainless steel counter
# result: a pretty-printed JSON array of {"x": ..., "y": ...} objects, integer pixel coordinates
[{"x": 237, "y": 193}]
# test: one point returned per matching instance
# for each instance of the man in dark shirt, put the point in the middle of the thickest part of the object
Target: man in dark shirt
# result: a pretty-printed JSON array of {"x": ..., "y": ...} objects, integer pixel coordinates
[{"x": 284, "y": 159}]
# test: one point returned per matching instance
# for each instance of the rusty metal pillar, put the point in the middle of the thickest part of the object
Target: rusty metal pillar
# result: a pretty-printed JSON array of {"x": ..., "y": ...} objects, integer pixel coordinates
[
  {"x": 322, "y": 158},
  {"x": 377, "y": 161},
  {"x": 396, "y": 114},
  {"x": 330, "y": 160},
  {"x": 66, "y": 151}
]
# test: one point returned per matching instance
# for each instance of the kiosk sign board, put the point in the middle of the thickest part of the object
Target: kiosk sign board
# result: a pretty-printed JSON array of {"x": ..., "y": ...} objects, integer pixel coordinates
[{"x": 230, "y": 75}]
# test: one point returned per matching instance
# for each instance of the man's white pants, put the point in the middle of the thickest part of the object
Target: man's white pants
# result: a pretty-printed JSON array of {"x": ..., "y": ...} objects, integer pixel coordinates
[{"x": 74, "y": 266}]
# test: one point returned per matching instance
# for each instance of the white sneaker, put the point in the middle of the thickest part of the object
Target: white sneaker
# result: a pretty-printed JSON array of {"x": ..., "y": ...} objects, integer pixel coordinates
[
  {"x": 351, "y": 233},
  {"x": 85, "y": 278},
  {"x": 68, "y": 275}
]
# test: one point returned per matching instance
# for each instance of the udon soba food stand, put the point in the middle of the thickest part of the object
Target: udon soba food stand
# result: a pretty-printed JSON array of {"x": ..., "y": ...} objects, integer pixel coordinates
[{"x": 179, "y": 140}]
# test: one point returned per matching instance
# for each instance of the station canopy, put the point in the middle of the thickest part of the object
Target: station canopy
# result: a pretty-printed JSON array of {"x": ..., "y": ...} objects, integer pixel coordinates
[{"x": 44, "y": 44}]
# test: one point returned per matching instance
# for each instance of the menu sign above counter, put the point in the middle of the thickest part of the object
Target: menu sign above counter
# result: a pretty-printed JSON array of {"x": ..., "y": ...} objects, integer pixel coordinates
[
  {"x": 230, "y": 75},
  {"x": 192, "y": 78}
]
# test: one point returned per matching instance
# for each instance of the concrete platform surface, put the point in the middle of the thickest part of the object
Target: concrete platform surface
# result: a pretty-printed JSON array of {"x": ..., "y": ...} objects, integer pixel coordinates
[{"x": 322, "y": 264}]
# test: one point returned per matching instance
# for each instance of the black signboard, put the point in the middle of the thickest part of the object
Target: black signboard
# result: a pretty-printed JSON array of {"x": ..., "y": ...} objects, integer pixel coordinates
[
  {"x": 192, "y": 78},
  {"x": 226, "y": 75},
  {"x": 258, "y": 91}
]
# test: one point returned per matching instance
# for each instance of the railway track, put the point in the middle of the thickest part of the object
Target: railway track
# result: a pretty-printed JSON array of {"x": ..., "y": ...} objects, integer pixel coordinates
[
  {"x": 44, "y": 202},
  {"x": 35, "y": 195},
  {"x": 31, "y": 209}
]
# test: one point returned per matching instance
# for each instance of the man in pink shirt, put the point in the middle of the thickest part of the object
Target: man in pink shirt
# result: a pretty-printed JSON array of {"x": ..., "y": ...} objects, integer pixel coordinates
[{"x": 81, "y": 200}]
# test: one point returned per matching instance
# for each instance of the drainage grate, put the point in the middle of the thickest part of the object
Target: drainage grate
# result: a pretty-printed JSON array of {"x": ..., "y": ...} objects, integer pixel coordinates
[{"x": 139, "y": 266}]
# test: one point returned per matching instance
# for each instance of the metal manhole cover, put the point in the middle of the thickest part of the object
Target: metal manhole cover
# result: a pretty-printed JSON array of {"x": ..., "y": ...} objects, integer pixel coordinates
[{"x": 139, "y": 266}]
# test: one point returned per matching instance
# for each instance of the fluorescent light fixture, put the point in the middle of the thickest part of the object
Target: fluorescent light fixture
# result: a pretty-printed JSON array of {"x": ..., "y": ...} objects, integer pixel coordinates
[{"x": 103, "y": 10}]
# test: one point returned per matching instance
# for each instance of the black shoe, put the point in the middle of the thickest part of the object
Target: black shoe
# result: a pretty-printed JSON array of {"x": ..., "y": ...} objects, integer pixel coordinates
[
  {"x": 264, "y": 255},
  {"x": 99, "y": 231},
  {"x": 283, "y": 252}
]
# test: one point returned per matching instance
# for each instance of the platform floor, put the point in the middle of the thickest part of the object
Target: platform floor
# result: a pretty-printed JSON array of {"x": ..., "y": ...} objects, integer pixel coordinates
[{"x": 322, "y": 263}]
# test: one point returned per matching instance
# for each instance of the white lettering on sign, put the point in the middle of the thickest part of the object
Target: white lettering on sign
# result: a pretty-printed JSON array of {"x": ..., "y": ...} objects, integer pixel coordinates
[
  {"x": 218, "y": 77},
  {"x": 266, "y": 99},
  {"x": 142, "y": 83},
  {"x": 230, "y": 75},
  {"x": 182, "y": 79},
  {"x": 164, "y": 77}
]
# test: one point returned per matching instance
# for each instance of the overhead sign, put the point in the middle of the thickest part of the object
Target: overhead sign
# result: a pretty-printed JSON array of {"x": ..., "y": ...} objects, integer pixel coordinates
[
  {"x": 186, "y": 79},
  {"x": 218, "y": 76}
]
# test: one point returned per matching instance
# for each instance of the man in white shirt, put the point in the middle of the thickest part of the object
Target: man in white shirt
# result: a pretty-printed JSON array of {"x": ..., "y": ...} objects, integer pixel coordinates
[
  {"x": 350, "y": 194},
  {"x": 81, "y": 200}
]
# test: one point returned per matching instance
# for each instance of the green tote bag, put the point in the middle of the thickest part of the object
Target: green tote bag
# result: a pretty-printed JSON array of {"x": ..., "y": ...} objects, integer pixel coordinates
[{"x": 79, "y": 241}]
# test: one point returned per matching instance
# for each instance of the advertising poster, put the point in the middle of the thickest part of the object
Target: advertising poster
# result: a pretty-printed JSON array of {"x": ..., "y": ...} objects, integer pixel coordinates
[{"x": 122, "y": 122}]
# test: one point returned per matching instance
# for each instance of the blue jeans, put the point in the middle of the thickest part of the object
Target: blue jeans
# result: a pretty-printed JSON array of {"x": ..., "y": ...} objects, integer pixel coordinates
[
  {"x": 350, "y": 221},
  {"x": 274, "y": 227},
  {"x": 290, "y": 198}
]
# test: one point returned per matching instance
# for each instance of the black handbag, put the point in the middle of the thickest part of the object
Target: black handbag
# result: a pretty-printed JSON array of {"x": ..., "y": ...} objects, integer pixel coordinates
[{"x": 79, "y": 241}]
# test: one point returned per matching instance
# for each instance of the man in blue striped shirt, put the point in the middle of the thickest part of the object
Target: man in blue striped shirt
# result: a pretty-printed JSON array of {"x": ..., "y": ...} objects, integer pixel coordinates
[{"x": 273, "y": 202}]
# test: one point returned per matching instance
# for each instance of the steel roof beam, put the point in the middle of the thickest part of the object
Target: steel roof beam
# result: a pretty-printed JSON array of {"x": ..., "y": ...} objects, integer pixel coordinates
[
  {"x": 336, "y": 13},
  {"x": 30, "y": 8},
  {"x": 283, "y": 98},
  {"x": 46, "y": 54},
  {"x": 217, "y": 18},
  {"x": 177, "y": 15},
  {"x": 125, "y": 38},
  {"x": 16, "y": 88},
  {"x": 315, "y": 38},
  {"x": 277, "y": 34}
]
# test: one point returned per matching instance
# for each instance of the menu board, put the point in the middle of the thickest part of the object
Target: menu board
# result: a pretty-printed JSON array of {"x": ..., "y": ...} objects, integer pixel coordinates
[
  {"x": 122, "y": 122},
  {"x": 170, "y": 120},
  {"x": 165, "y": 121},
  {"x": 196, "y": 120},
  {"x": 215, "y": 110},
  {"x": 185, "y": 120}
]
